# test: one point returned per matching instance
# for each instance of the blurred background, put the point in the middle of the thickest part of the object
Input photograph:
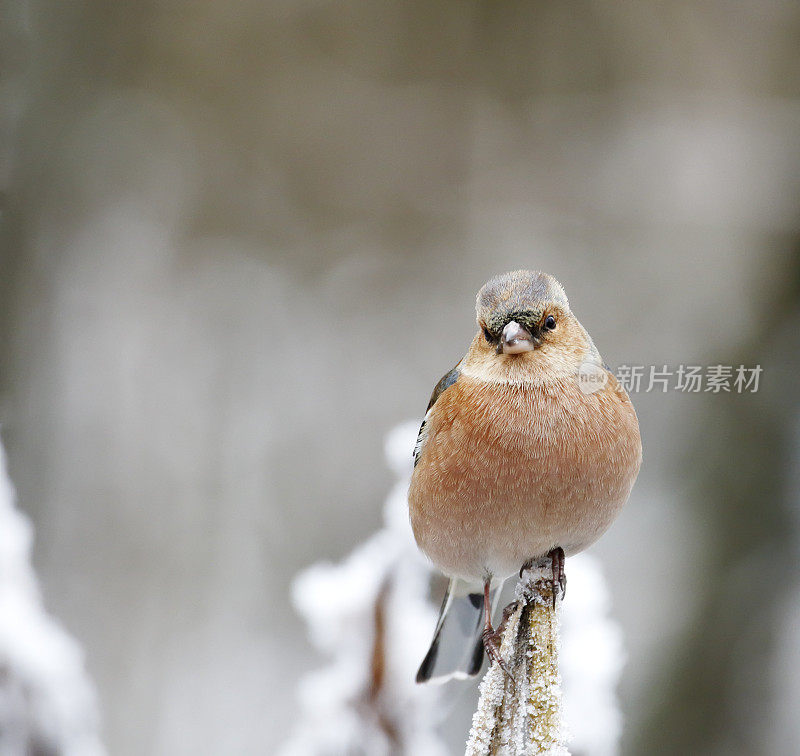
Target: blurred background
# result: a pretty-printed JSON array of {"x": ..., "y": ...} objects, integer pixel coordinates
[{"x": 242, "y": 240}]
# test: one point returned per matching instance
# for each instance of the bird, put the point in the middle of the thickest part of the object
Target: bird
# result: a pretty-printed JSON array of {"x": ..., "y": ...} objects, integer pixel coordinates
[{"x": 529, "y": 448}]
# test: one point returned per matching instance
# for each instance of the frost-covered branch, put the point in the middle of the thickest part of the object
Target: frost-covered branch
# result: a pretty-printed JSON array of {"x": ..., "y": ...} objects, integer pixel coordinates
[
  {"x": 371, "y": 616},
  {"x": 47, "y": 702},
  {"x": 520, "y": 711}
]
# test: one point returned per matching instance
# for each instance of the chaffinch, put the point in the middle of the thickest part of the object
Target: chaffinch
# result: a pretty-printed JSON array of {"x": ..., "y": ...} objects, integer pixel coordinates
[{"x": 529, "y": 448}]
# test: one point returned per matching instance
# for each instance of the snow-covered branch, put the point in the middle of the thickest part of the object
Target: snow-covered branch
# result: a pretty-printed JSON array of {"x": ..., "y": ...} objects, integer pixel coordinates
[
  {"x": 520, "y": 710},
  {"x": 47, "y": 703},
  {"x": 371, "y": 616}
]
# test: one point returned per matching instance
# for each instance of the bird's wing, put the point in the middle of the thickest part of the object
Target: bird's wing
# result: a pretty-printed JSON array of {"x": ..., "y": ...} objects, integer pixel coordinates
[{"x": 448, "y": 379}]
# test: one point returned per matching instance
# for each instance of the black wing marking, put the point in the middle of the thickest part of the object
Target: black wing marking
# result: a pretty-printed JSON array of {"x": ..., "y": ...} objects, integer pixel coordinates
[{"x": 447, "y": 380}]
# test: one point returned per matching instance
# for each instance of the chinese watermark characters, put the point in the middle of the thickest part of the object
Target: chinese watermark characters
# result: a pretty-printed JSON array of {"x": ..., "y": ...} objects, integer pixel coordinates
[{"x": 688, "y": 379}]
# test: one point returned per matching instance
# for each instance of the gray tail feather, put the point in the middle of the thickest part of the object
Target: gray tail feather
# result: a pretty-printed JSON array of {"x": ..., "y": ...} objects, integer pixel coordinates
[{"x": 457, "y": 647}]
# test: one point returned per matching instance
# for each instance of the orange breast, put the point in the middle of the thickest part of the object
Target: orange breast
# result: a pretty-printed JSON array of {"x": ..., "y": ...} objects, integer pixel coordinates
[{"x": 509, "y": 472}]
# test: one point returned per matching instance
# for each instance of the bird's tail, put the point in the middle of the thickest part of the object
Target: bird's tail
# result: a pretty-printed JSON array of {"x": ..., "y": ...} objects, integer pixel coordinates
[{"x": 457, "y": 647}]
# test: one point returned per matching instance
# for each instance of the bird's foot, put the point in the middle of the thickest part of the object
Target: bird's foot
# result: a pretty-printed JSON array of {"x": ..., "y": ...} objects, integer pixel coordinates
[
  {"x": 559, "y": 576},
  {"x": 492, "y": 642}
]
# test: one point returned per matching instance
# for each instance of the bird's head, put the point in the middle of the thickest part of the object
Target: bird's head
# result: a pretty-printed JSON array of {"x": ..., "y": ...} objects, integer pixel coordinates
[{"x": 526, "y": 329}]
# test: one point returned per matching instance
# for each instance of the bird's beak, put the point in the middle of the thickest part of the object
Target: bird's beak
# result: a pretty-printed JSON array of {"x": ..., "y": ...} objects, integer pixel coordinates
[{"x": 515, "y": 339}]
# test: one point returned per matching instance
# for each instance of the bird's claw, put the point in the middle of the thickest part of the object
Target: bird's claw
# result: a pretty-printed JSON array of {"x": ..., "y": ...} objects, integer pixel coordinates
[
  {"x": 492, "y": 641},
  {"x": 559, "y": 576}
]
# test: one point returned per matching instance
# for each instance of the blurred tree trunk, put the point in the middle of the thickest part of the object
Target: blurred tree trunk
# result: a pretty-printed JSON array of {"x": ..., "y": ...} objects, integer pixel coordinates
[{"x": 719, "y": 685}]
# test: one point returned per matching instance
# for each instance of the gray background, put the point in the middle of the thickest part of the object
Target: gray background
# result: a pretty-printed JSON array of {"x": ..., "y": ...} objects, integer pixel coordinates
[{"x": 241, "y": 240}]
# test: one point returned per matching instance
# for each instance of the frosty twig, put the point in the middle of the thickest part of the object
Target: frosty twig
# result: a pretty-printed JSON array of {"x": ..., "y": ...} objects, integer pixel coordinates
[{"x": 521, "y": 715}]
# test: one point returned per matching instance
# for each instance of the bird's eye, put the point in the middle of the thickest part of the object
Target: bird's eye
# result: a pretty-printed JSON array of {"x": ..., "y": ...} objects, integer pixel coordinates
[
  {"x": 487, "y": 335},
  {"x": 549, "y": 323}
]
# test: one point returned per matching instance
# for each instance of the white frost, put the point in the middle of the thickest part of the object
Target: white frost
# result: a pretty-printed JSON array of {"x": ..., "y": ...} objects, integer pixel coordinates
[
  {"x": 342, "y": 709},
  {"x": 47, "y": 704}
]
